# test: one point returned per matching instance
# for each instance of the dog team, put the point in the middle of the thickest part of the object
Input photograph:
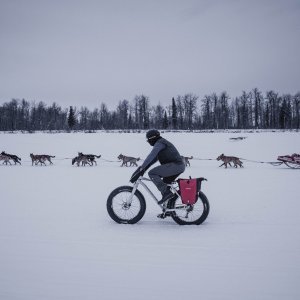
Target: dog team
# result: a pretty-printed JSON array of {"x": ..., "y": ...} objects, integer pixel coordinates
[{"x": 90, "y": 159}]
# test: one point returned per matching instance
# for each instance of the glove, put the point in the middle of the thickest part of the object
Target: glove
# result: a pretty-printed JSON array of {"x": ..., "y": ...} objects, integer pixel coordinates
[{"x": 135, "y": 176}]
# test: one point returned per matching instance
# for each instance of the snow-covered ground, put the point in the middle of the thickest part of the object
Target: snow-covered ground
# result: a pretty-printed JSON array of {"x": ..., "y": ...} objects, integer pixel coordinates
[{"x": 58, "y": 242}]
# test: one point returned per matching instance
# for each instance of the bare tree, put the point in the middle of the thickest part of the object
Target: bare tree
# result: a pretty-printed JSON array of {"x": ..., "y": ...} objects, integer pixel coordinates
[
  {"x": 296, "y": 111},
  {"x": 190, "y": 107},
  {"x": 207, "y": 111},
  {"x": 224, "y": 120},
  {"x": 123, "y": 114}
]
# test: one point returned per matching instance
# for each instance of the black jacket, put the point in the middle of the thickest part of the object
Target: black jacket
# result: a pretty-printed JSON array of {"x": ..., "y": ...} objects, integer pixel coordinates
[{"x": 164, "y": 152}]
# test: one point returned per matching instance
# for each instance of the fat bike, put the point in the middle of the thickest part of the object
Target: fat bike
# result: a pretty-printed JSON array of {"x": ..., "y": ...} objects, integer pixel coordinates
[{"x": 127, "y": 205}]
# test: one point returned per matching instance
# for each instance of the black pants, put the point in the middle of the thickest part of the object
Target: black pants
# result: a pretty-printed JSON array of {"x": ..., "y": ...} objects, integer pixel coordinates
[{"x": 158, "y": 173}]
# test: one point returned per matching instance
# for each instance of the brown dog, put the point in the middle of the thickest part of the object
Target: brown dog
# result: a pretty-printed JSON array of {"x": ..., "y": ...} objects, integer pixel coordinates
[
  {"x": 40, "y": 158},
  {"x": 228, "y": 159},
  {"x": 127, "y": 159}
]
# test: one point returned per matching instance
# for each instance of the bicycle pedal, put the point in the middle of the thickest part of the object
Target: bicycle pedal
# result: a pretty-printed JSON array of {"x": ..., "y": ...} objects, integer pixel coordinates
[
  {"x": 164, "y": 215},
  {"x": 161, "y": 216}
]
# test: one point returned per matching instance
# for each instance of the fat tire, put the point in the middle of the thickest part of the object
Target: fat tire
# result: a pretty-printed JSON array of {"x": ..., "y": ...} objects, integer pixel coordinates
[
  {"x": 111, "y": 212},
  {"x": 200, "y": 220}
]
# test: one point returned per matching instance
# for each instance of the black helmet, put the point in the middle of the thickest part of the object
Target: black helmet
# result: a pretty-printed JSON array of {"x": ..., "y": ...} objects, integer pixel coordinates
[{"x": 152, "y": 136}]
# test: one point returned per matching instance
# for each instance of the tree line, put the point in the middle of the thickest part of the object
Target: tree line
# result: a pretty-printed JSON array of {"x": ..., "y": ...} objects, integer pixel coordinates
[{"x": 251, "y": 110}]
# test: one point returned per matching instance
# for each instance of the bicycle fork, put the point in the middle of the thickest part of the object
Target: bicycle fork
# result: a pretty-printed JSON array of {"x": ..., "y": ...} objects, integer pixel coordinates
[{"x": 135, "y": 186}]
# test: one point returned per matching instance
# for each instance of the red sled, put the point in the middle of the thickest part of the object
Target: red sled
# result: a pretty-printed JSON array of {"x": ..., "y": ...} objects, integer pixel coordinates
[{"x": 292, "y": 161}]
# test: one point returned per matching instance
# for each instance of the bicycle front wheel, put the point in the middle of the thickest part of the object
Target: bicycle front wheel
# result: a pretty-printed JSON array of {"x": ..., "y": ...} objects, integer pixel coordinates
[
  {"x": 119, "y": 209},
  {"x": 194, "y": 214}
]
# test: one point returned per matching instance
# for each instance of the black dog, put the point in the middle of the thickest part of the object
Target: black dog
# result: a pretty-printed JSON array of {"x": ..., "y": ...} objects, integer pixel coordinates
[{"x": 90, "y": 157}]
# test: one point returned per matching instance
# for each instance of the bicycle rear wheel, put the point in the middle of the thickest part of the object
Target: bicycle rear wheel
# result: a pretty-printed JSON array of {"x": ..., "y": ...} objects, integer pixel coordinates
[
  {"x": 120, "y": 211},
  {"x": 194, "y": 214}
]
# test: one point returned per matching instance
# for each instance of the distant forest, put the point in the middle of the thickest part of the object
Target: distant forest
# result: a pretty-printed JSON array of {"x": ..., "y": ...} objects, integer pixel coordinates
[{"x": 251, "y": 110}]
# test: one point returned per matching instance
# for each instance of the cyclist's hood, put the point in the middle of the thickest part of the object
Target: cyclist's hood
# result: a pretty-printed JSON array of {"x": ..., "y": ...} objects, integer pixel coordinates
[{"x": 153, "y": 136}]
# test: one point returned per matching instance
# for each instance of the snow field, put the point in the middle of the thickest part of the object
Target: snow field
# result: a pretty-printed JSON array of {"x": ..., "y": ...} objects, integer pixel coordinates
[{"x": 58, "y": 242}]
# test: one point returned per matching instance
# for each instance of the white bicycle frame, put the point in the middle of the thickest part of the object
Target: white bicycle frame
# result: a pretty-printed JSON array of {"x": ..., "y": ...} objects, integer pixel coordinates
[{"x": 162, "y": 206}]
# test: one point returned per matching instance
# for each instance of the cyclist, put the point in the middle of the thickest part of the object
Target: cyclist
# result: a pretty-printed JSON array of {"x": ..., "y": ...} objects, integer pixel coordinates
[{"x": 171, "y": 162}]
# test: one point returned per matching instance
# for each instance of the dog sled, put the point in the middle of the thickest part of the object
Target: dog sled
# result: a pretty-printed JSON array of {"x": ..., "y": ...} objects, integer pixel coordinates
[{"x": 292, "y": 161}]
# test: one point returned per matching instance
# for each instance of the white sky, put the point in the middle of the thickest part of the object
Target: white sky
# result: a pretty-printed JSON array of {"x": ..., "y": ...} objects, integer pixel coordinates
[{"x": 85, "y": 52}]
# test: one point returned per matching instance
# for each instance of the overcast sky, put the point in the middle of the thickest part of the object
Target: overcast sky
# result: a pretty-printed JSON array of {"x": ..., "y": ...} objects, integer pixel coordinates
[{"x": 87, "y": 52}]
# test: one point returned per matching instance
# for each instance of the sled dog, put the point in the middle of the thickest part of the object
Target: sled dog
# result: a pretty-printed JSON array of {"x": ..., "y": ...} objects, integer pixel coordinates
[
  {"x": 13, "y": 157},
  {"x": 127, "y": 159},
  {"x": 81, "y": 159},
  {"x": 41, "y": 158},
  {"x": 5, "y": 159},
  {"x": 239, "y": 138},
  {"x": 90, "y": 157},
  {"x": 228, "y": 159},
  {"x": 186, "y": 160}
]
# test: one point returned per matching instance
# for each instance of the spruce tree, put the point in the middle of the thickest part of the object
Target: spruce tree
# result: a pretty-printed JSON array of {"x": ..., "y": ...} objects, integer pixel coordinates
[
  {"x": 165, "y": 121},
  {"x": 174, "y": 114},
  {"x": 71, "y": 118}
]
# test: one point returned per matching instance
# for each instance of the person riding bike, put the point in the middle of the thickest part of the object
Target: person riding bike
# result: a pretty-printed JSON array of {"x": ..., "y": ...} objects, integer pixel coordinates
[{"x": 171, "y": 162}]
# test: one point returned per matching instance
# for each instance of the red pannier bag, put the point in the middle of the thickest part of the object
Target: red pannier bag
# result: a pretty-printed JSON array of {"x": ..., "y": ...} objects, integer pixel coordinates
[{"x": 189, "y": 189}]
